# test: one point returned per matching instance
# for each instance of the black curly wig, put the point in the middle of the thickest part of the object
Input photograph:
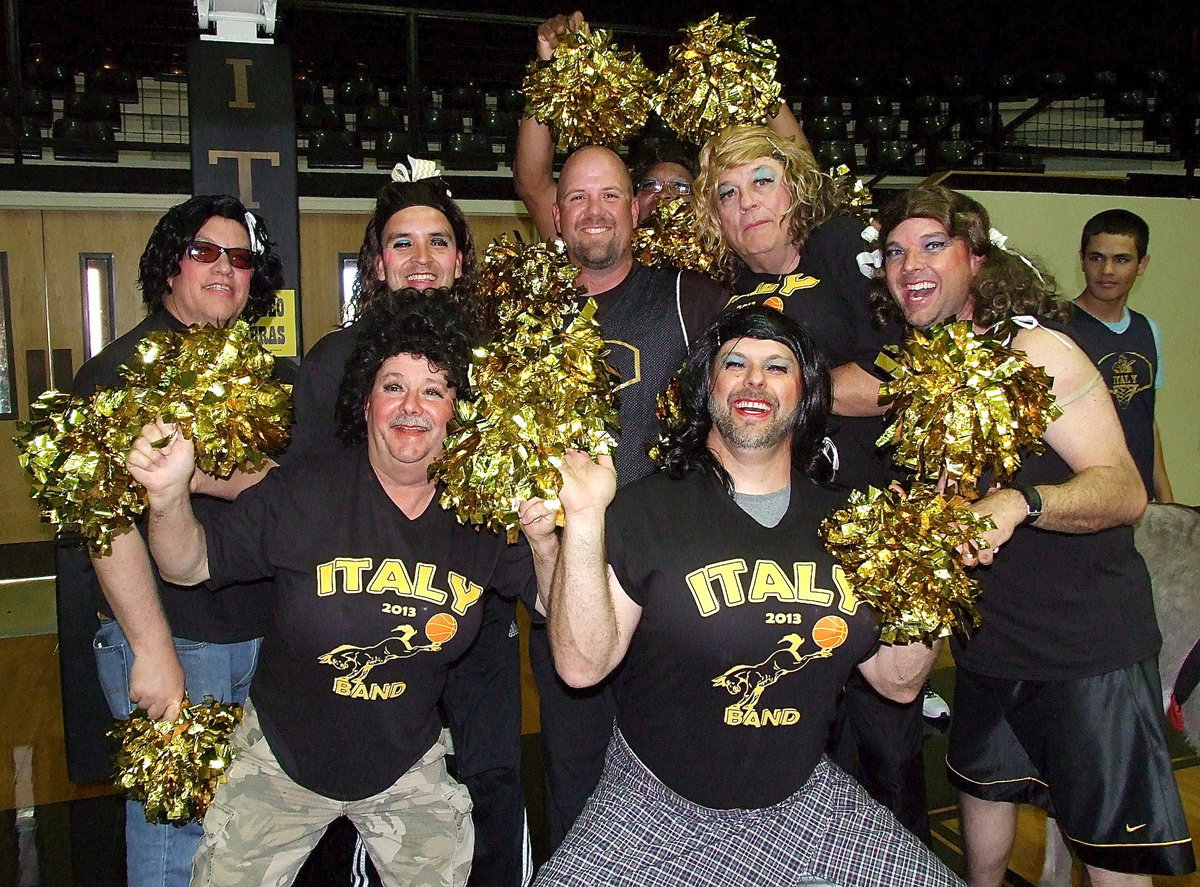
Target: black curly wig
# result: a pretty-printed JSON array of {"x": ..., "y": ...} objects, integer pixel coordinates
[
  {"x": 689, "y": 451},
  {"x": 178, "y": 228},
  {"x": 420, "y": 322}
]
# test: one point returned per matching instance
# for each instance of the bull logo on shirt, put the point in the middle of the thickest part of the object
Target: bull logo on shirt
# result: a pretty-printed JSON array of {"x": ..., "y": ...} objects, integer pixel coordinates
[
  {"x": 359, "y": 661},
  {"x": 1131, "y": 373},
  {"x": 751, "y": 680}
]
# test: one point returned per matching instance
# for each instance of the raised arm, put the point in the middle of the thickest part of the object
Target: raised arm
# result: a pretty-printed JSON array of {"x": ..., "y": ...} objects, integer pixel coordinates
[
  {"x": 785, "y": 124},
  {"x": 533, "y": 164},
  {"x": 1105, "y": 489},
  {"x": 591, "y": 619},
  {"x": 176, "y": 537}
]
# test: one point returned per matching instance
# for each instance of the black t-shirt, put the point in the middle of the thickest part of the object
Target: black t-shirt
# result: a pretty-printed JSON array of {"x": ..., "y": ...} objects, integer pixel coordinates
[
  {"x": 320, "y": 379},
  {"x": 648, "y": 321},
  {"x": 238, "y": 613},
  {"x": 828, "y": 294},
  {"x": 369, "y": 610},
  {"x": 722, "y": 696}
]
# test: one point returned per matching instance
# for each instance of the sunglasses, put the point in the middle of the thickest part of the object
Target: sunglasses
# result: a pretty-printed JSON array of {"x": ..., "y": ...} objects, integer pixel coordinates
[
  {"x": 206, "y": 253},
  {"x": 679, "y": 189}
]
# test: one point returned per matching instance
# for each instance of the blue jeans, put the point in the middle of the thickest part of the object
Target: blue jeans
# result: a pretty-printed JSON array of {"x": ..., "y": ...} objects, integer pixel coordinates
[{"x": 161, "y": 855}]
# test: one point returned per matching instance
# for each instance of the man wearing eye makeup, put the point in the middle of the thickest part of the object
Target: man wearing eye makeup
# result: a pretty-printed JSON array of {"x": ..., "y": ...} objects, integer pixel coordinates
[
  {"x": 770, "y": 216},
  {"x": 1058, "y": 700},
  {"x": 208, "y": 262}
]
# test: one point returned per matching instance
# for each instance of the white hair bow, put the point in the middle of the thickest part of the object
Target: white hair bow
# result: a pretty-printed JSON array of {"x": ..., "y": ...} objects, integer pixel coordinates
[
  {"x": 252, "y": 229},
  {"x": 421, "y": 169}
]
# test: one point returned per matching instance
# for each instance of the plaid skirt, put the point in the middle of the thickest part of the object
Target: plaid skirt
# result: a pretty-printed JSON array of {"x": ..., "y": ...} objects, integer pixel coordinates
[{"x": 637, "y": 832}]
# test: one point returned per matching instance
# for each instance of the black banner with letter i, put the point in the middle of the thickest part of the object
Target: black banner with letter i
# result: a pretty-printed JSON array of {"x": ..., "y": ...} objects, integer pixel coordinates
[{"x": 243, "y": 130}]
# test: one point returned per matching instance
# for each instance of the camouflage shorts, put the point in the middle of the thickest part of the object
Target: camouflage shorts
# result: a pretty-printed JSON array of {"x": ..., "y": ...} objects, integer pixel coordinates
[{"x": 262, "y": 825}]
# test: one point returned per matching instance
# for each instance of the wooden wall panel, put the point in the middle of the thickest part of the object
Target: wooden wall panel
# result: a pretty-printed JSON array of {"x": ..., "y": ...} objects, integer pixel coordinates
[
  {"x": 21, "y": 240},
  {"x": 323, "y": 236}
]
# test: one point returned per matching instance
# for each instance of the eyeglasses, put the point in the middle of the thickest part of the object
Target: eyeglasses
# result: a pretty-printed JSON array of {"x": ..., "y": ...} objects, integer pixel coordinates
[
  {"x": 206, "y": 253},
  {"x": 679, "y": 189}
]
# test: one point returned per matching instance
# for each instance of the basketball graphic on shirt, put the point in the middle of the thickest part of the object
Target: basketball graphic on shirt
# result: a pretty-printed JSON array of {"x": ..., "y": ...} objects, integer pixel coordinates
[
  {"x": 830, "y": 632},
  {"x": 441, "y": 627}
]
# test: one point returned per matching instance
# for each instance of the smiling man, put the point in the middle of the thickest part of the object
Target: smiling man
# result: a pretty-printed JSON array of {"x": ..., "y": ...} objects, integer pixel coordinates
[
  {"x": 716, "y": 772},
  {"x": 207, "y": 262},
  {"x": 1126, "y": 345},
  {"x": 1057, "y": 696},
  {"x": 343, "y": 717},
  {"x": 647, "y": 317}
]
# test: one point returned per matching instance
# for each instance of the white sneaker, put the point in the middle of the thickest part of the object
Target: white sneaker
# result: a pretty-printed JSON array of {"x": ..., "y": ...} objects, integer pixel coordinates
[{"x": 933, "y": 706}]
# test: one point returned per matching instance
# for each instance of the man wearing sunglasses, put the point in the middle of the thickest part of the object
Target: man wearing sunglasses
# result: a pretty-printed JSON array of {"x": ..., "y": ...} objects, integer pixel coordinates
[{"x": 208, "y": 262}]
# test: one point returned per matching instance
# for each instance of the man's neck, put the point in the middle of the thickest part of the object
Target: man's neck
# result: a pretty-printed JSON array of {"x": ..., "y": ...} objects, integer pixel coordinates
[
  {"x": 597, "y": 282},
  {"x": 754, "y": 471},
  {"x": 410, "y": 491},
  {"x": 784, "y": 262},
  {"x": 1107, "y": 311}
]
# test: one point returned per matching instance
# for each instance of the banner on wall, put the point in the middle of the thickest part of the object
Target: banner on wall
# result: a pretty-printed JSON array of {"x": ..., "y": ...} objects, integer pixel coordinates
[{"x": 243, "y": 132}]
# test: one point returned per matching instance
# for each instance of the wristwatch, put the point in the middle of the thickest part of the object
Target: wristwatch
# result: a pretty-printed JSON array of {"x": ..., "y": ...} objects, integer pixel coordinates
[{"x": 1033, "y": 503}]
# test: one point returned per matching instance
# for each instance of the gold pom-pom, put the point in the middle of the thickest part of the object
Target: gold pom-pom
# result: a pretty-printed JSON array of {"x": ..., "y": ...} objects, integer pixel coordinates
[
  {"x": 671, "y": 239},
  {"x": 174, "y": 767},
  {"x": 963, "y": 405},
  {"x": 900, "y": 554},
  {"x": 588, "y": 92},
  {"x": 73, "y": 451},
  {"x": 851, "y": 194},
  {"x": 541, "y": 387},
  {"x": 668, "y": 410},
  {"x": 216, "y": 384},
  {"x": 719, "y": 76}
]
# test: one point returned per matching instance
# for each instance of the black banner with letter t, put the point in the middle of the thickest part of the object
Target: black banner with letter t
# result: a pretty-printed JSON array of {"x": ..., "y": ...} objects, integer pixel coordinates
[{"x": 243, "y": 131}]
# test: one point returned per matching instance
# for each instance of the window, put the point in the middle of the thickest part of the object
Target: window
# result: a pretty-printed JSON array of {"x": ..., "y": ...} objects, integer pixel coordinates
[
  {"x": 99, "y": 301},
  {"x": 8, "y": 380},
  {"x": 348, "y": 265}
]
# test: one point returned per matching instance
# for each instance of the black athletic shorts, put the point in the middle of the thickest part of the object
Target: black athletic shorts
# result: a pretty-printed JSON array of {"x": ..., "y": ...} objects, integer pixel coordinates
[{"x": 1090, "y": 751}]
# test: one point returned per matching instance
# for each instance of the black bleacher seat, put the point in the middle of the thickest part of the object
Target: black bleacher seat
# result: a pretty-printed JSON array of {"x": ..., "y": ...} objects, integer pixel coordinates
[
  {"x": 85, "y": 140},
  {"x": 380, "y": 118},
  {"x": 891, "y": 155},
  {"x": 468, "y": 150},
  {"x": 823, "y": 106},
  {"x": 510, "y": 100},
  {"x": 306, "y": 91},
  {"x": 871, "y": 105},
  {"x": 392, "y": 147},
  {"x": 469, "y": 101},
  {"x": 1126, "y": 104},
  {"x": 947, "y": 154},
  {"x": 922, "y": 104},
  {"x": 357, "y": 92},
  {"x": 31, "y": 138},
  {"x": 319, "y": 116},
  {"x": 836, "y": 152},
  {"x": 929, "y": 126},
  {"x": 111, "y": 80},
  {"x": 1012, "y": 158},
  {"x": 877, "y": 127},
  {"x": 91, "y": 106},
  {"x": 825, "y": 129},
  {"x": 334, "y": 149},
  {"x": 56, "y": 79}
]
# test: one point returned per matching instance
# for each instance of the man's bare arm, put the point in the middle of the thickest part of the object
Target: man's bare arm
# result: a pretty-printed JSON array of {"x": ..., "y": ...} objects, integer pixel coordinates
[
  {"x": 1105, "y": 489},
  {"x": 855, "y": 391},
  {"x": 785, "y": 124},
  {"x": 156, "y": 679},
  {"x": 898, "y": 672},
  {"x": 533, "y": 163},
  {"x": 591, "y": 619},
  {"x": 229, "y": 488},
  {"x": 176, "y": 538}
]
